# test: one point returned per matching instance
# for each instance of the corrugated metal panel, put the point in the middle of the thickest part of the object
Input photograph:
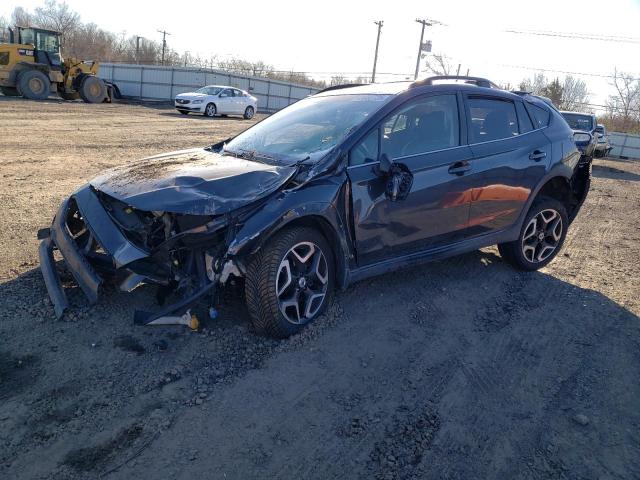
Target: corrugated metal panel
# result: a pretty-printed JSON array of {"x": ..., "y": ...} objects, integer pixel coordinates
[
  {"x": 624, "y": 145},
  {"x": 164, "y": 83},
  {"x": 191, "y": 79}
]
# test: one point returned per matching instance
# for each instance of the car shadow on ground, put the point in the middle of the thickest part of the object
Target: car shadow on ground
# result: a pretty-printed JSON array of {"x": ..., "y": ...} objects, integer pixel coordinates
[
  {"x": 203, "y": 117},
  {"x": 543, "y": 350},
  {"x": 602, "y": 171}
]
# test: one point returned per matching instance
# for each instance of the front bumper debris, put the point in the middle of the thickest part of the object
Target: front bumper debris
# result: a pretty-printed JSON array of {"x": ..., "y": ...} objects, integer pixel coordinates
[
  {"x": 113, "y": 257},
  {"x": 82, "y": 271}
]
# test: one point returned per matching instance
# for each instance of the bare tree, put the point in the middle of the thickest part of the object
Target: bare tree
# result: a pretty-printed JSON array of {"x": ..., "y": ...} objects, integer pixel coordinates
[
  {"x": 535, "y": 85},
  {"x": 575, "y": 95},
  {"x": 57, "y": 16},
  {"x": 626, "y": 102},
  {"x": 438, "y": 65},
  {"x": 21, "y": 17},
  {"x": 4, "y": 29}
]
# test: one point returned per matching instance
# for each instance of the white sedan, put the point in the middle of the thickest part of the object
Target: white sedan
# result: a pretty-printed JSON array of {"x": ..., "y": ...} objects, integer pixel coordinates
[{"x": 217, "y": 100}]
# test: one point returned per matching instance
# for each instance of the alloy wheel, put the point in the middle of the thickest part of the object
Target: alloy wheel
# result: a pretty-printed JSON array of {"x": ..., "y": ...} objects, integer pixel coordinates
[
  {"x": 210, "y": 110},
  {"x": 301, "y": 282},
  {"x": 542, "y": 236}
]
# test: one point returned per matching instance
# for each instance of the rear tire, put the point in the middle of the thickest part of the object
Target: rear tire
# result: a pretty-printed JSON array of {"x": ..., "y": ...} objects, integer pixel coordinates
[
  {"x": 10, "y": 91},
  {"x": 249, "y": 113},
  {"x": 289, "y": 282},
  {"x": 93, "y": 89},
  {"x": 541, "y": 237},
  {"x": 34, "y": 85}
]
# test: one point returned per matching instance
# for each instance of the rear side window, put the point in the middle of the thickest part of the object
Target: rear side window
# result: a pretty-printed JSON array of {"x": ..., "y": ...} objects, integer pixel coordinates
[
  {"x": 540, "y": 115},
  {"x": 4, "y": 58},
  {"x": 492, "y": 119},
  {"x": 523, "y": 118}
]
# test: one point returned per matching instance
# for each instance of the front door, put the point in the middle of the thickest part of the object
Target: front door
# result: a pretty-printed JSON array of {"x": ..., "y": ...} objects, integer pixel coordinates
[
  {"x": 225, "y": 103},
  {"x": 423, "y": 137}
]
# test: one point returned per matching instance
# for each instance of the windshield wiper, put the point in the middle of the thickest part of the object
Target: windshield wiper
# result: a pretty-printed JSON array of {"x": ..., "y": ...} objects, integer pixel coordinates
[{"x": 250, "y": 155}]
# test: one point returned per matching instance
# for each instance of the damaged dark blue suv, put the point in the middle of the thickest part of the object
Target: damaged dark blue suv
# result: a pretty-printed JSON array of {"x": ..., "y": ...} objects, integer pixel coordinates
[{"x": 351, "y": 182}]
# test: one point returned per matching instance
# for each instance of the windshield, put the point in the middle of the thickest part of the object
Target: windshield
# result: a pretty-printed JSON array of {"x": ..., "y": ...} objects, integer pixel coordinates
[
  {"x": 209, "y": 90},
  {"x": 578, "y": 122},
  {"x": 307, "y": 129}
]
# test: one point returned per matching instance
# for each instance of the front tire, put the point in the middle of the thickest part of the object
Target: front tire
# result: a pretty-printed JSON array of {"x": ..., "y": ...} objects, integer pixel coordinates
[
  {"x": 543, "y": 232},
  {"x": 210, "y": 110},
  {"x": 249, "y": 113},
  {"x": 93, "y": 89},
  {"x": 289, "y": 282}
]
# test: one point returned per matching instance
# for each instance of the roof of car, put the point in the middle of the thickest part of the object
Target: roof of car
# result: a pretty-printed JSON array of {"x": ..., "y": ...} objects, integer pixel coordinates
[
  {"x": 577, "y": 113},
  {"x": 470, "y": 84}
]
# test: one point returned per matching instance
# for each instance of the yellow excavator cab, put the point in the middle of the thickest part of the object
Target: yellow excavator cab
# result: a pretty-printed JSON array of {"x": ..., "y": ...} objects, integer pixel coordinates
[{"x": 31, "y": 65}]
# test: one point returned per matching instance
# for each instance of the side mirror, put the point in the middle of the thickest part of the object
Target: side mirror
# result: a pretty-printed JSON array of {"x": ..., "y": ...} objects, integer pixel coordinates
[
  {"x": 582, "y": 137},
  {"x": 385, "y": 164}
]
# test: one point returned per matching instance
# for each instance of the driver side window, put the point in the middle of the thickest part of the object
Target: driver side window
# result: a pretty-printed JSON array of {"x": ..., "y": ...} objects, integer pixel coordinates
[{"x": 420, "y": 126}]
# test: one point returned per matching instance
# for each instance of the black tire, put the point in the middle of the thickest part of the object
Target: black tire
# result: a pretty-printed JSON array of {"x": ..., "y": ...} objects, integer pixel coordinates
[
  {"x": 210, "y": 110},
  {"x": 34, "y": 85},
  {"x": 92, "y": 89},
  {"x": 531, "y": 251},
  {"x": 264, "y": 279},
  {"x": 10, "y": 91},
  {"x": 249, "y": 112},
  {"x": 184, "y": 112}
]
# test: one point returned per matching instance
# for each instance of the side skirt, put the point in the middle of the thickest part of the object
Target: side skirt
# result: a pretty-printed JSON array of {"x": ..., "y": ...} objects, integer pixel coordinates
[{"x": 440, "y": 253}]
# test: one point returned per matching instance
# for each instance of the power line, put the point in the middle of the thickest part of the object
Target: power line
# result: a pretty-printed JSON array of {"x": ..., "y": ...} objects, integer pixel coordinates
[{"x": 579, "y": 36}]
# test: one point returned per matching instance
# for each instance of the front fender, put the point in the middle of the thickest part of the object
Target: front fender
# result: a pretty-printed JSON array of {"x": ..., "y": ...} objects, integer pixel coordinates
[{"x": 318, "y": 205}]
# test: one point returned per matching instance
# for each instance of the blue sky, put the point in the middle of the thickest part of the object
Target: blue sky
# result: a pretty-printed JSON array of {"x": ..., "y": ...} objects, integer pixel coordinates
[{"x": 339, "y": 36}]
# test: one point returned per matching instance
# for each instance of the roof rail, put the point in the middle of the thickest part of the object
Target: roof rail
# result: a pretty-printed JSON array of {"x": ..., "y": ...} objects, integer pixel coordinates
[
  {"x": 479, "y": 81},
  {"x": 341, "y": 86},
  {"x": 521, "y": 92}
]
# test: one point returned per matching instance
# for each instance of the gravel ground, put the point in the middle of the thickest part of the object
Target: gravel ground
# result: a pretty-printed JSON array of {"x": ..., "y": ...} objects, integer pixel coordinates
[{"x": 463, "y": 368}]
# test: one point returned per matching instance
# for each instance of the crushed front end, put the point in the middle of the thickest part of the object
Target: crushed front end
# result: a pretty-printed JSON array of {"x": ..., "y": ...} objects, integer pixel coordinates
[{"x": 104, "y": 240}]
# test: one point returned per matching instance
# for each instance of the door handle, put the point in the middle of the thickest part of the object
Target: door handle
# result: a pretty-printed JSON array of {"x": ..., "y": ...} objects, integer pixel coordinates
[
  {"x": 537, "y": 155},
  {"x": 458, "y": 168}
]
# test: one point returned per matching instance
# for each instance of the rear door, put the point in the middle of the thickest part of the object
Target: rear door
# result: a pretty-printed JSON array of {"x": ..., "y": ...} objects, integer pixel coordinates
[
  {"x": 510, "y": 157},
  {"x": 423, "y": 135}
]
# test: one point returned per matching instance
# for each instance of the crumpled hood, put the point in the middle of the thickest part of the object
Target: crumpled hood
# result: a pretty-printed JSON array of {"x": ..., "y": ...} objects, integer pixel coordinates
[{"x": 196, "y": 181}]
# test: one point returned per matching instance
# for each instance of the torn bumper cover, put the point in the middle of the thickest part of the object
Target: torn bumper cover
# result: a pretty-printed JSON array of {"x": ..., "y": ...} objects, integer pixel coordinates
[{"x": 94, "y": 248}]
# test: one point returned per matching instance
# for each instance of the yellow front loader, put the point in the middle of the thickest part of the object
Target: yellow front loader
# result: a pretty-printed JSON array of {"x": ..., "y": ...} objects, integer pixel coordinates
[{"x": 31, "y": 66}]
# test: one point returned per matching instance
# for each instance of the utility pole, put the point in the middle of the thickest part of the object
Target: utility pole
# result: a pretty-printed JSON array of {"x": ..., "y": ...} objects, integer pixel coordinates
[
  {"x": 375, "y": 58},
  {"x": 425, "y": 23},
  {"x": 164, "y": 42},
  {"x": 138, "y": 49},
  {"x": 186, "y": 57}
]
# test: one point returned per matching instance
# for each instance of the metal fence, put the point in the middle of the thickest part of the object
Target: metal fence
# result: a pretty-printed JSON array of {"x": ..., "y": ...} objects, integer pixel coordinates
[
  {"x": 624, "y": 145},
  {"x": 164, "y": 83}
]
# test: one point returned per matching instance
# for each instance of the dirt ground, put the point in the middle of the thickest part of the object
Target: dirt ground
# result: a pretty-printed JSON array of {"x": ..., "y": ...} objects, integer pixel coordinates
[{"x": 462, "y": 369}]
